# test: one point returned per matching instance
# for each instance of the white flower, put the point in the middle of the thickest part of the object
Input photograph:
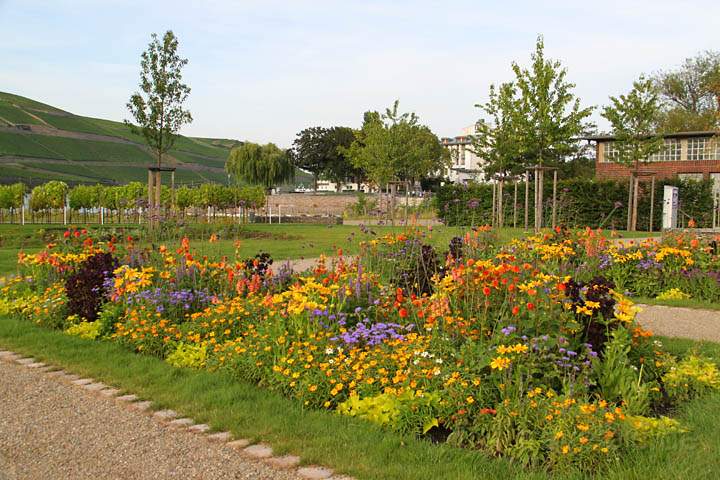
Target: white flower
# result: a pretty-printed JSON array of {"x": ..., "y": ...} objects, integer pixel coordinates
[{"x": 329, "y": 351}]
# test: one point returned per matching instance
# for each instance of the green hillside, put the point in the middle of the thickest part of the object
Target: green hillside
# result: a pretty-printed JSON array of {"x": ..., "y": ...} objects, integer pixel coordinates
[{"x": 39, "y": 142}]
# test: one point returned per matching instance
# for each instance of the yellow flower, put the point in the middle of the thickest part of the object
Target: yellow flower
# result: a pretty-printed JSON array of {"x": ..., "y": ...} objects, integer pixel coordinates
[
  {"x": 500, "y": 363},
  {"x": 470, "y": 400}
]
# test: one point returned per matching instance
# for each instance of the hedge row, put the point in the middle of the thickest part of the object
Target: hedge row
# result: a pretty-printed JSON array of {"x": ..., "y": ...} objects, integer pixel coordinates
[{"x": 580, "y": 203}]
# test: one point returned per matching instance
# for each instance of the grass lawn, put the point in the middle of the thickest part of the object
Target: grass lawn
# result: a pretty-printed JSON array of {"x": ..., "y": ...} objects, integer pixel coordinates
[
  {"x": 348, "y": 445},
  {"x": 686, "y": 303},
  {"x": 283, "y": 242}
]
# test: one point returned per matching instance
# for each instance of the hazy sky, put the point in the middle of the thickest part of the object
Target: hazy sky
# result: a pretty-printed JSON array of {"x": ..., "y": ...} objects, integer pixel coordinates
[{"x": 263, "y": 70}]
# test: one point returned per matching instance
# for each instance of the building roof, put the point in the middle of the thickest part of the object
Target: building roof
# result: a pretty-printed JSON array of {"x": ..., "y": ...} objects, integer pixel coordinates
[
  {"x": 462, "y": 140},
  {"x": 608, "y": 137}
]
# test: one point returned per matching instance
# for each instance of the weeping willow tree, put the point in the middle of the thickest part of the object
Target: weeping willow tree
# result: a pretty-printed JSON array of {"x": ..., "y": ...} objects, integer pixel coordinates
[{"x": 266, "y": 165}]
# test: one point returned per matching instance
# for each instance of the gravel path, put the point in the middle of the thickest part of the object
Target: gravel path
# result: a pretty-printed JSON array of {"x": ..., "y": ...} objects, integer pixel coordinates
[
  {"x": 50, "y": 429},
  {"x": 690, "y": 323}
]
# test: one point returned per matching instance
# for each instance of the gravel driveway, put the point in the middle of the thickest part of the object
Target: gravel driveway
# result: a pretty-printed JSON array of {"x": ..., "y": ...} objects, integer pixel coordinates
[{"x": 51, "y": 430}]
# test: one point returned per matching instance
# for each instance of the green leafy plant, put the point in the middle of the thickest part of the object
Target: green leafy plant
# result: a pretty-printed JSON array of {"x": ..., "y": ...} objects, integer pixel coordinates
[{"x": 187, "y": 355}]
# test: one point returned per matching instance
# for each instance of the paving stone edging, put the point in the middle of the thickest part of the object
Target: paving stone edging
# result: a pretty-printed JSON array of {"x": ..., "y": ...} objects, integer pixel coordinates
[{"x": 170, "y": 418}]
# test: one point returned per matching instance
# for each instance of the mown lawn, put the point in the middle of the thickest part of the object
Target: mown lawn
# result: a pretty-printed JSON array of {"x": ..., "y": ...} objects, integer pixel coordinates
[
  {"x": 348, "y": 445},
  {"x": 282, "y": 242}
]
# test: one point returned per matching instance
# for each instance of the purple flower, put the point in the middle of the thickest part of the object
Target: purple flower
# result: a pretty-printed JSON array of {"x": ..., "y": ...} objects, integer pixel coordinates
[{"x": 508, "y": 330}]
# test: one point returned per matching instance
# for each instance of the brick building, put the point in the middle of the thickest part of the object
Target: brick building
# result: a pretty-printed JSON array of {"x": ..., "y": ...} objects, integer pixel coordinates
[{"x": 687, "y": 155}]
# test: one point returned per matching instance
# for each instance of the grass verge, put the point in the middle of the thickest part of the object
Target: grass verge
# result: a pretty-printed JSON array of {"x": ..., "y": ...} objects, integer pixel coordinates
[
  {"x": 348, "y": 445},
  {"x": 685, "y": 303}
]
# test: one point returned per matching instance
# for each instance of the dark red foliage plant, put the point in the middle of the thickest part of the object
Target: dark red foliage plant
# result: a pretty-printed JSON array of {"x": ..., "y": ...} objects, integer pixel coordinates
[{"x": 84, "y": 287}]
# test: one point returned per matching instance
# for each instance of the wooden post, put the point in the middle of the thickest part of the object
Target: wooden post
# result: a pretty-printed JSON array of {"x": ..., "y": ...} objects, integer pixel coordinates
[
  {"x": 630, "y": 199},
  {"x": 652, "y": 201},
  {"x": 393, "y": 189},
  {"x": 151, "y": 195},
  {"x": 156, "y": 217},
  {"x": 500, "y": 209},
  {"x": 538, "y": 187},
  {"x": 494, "y": 204},
  {"x": 635, "y": 203},
  {"x": 515, "y": 184},
  {"x": 527, "y": 197},
  {"x": 554, "y": 204},
  {"x": 172, "y": 189}
]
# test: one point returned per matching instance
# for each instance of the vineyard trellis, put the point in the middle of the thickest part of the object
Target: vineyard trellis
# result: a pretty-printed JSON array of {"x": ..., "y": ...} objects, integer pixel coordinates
[{"x": 55, "y": 202}]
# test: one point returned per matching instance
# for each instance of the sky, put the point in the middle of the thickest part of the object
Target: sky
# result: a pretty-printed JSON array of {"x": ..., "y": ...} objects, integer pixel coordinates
[{"x": 264, "y": 70}]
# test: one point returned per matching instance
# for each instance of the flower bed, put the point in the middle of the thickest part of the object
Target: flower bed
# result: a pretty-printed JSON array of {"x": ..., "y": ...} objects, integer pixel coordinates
[{"x": 528, "y": 351}]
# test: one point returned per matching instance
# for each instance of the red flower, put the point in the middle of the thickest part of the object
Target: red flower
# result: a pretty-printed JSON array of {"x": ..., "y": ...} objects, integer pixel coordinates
[
  {"x": 83, "y": 231},
  {"x": 403, "y": 313},
  {"x": 530, "y": 305},
  {"x": 515, "y": 310},
  {"x": 129, "y": 238},
  {"x": 76, "y": 234},
  {"x": 486, "y": 291},
  {"x": 561, "y": 287},
  {"x": 488, "y": 411},
  {"x": 66, "y": 234}
]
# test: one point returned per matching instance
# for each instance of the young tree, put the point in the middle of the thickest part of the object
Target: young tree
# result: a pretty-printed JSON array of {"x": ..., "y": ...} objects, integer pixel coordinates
[
  {"x": 550, "y": 117},
  {"x": 265, "y": 165},
  {"x": 690, "y": 95},
  {"x": 634, "y": 118},
  {"x": 496, "y": 140},
  {"x": 158, "y": 107}
]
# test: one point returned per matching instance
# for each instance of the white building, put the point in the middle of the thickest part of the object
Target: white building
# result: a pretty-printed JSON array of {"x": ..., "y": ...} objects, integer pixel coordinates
[{"x": 466, "y": 165}]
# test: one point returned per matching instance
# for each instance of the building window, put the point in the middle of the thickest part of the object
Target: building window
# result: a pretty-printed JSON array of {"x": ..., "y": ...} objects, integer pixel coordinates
[
  {"x": 611, "y": 152},
  {"x": 703, "y": 148},
  {"x": 669, "y": 153},
  {"x": 695, "y": 177}
]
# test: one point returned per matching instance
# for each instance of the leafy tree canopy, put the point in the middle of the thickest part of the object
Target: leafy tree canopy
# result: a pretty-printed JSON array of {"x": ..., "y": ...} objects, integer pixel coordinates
[
  {"x": 320, "y": 151},
  {"x": 690, "y": 94},
  {"x": 394, "y": 146},
  {"x": 266, "y": 165}
]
